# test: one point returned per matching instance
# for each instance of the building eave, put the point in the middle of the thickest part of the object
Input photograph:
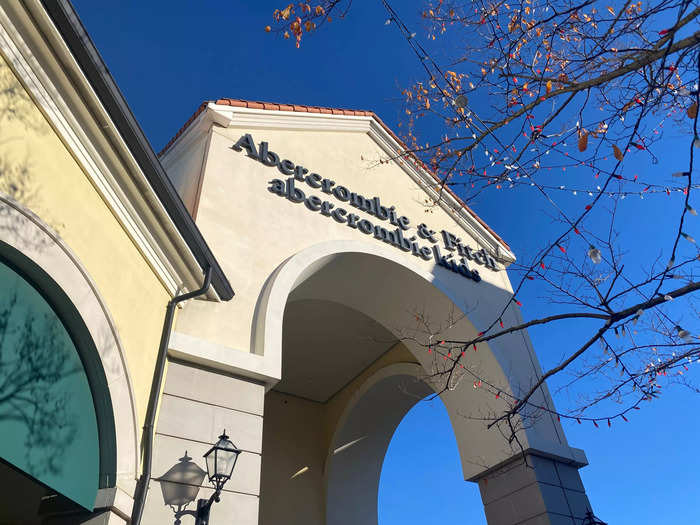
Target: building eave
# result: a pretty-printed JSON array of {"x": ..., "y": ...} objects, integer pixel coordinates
[{"x": 129, "y": 175}]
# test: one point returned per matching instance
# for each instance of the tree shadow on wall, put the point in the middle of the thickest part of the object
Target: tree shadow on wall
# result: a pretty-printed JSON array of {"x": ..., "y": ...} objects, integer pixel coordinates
[
  {"x": 35, "y": 361},
  {"x": 15, "y": 103},
  {"x": 20, "y": 122}
]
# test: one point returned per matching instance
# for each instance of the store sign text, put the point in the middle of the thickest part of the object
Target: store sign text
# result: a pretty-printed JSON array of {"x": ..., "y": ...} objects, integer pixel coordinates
[{"x": 397, "y": 237}]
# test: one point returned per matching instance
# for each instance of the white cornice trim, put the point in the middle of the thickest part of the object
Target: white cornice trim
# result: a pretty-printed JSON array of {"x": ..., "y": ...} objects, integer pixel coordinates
[
  {"x": 200, "y": 126},
  {"x": 219, "y": 357},
  {"x": 139, "y": 211},
  {"x": 238, "y": 117}
]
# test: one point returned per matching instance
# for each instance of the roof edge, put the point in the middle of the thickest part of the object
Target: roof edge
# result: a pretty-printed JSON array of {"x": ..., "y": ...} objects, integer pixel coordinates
[{"x": 88, "y": 58}]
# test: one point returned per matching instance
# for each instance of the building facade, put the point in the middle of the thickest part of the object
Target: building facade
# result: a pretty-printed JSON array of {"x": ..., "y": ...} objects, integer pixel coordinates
[{"x": 351, "y": 265}]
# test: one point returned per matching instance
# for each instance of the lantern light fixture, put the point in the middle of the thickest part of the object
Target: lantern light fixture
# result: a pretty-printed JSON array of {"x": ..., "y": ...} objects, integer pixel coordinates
[
  {"x": 181, "y": 483},
  {"x": 221, "y": 460}
]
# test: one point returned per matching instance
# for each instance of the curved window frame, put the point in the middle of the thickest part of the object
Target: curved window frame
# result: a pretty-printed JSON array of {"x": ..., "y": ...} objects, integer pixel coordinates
[{"x": 87, "y": 351}]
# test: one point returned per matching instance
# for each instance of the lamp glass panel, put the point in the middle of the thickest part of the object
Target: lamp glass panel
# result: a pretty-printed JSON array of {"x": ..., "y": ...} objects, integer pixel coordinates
[
  {"x": 211, "y": 463},
  {"x": 225, "y": 462}
]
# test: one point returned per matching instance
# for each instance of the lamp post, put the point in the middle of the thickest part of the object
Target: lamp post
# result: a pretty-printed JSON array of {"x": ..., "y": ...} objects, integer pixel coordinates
[{"x": 180, "y": 484}]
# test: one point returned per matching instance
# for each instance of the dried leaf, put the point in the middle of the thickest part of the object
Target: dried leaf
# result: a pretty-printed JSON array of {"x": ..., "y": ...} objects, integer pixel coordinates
[
  {"x": 611, "y": 10},
  {"x": 693, "y": 110},
  {"x": 583, "y": 142},
  {"x": 617, "y": 152},
  {"x": 549, "y": 86}
]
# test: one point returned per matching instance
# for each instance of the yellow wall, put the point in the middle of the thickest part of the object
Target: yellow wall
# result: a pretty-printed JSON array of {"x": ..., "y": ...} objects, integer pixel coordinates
[{"x": 38, "y": 170}]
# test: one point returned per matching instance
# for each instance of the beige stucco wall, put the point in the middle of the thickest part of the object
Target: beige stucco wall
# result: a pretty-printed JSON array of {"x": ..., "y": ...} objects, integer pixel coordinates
[
  {"x": 336, "y": 405},
  {"x": 252, "y": 231},
  {"x": 299, "y": 434},
  {"x": 257, "y": 234},
  {"x": 271, "y": 248},
  {"x": 39, "y": 171}
]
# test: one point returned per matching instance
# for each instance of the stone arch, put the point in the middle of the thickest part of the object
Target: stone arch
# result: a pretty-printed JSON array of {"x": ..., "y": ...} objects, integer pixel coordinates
[
  {"x": 33, "y": 246},
  {"x": 383, "y": 285},
  {"x": 362, "y": 437}
]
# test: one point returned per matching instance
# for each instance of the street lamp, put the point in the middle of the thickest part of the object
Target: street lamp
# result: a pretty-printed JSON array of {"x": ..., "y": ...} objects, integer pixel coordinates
[
  {"x": 181, "y": 483},
  {"x": 221, "y": 458}
]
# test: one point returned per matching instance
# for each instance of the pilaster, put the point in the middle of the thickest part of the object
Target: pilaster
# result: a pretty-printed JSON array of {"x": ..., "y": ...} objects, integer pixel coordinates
[{"x": 534, "y": 490}]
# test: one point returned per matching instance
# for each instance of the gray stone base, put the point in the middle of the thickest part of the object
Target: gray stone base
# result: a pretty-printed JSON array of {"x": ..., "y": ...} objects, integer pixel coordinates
[{"x": 538, "y": 491}]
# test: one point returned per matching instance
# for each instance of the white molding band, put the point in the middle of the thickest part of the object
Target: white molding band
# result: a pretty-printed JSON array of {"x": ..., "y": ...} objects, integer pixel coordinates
[{"x": 220, "y": 357}]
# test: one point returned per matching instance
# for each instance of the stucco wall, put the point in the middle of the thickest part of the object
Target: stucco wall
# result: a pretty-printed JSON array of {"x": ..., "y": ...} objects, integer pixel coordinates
[
  {"x": 39, "y": 171},
  {"x": 298, "y": 438},
  {"x": 252, "y": 231},
  {"x": 183, "y": 166}
]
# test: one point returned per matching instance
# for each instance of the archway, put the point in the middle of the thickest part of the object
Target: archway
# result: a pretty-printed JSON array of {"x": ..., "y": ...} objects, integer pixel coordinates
[
  {"x": 54, "y": 314},
  {"x": 342, "y": 316},
  {"x": 355, "y": 459},
  {"x": 421, "y": 474}
]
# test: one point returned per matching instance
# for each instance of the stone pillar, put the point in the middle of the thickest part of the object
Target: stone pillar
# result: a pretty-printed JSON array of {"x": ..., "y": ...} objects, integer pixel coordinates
[
  {"x": 541, "y": 491},
  {"x": 196, "y": 406}
]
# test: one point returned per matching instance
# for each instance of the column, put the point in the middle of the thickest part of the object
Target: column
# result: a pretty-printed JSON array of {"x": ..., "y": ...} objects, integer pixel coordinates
[
  {"x": 196, "y": 406},
  {"x": 538, "y": 491}
]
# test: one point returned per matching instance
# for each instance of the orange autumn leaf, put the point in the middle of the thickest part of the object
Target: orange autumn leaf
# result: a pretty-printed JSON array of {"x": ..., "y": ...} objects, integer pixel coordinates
[
  {"x": 583, "y": 142},
  {"x": 617, "y": 152},
  {"x": 549, "y": 87},
  {"x": 611, "y": 10},
  {"x": 692, "y": 111}
]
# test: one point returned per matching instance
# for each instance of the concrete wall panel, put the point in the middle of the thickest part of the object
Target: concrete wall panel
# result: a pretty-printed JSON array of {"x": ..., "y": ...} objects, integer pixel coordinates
[{"x": 192, "y": 382}]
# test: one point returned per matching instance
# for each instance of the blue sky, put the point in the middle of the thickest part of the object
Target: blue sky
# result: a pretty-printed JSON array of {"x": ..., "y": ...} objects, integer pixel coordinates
[{"x": 168, "y": 57}]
